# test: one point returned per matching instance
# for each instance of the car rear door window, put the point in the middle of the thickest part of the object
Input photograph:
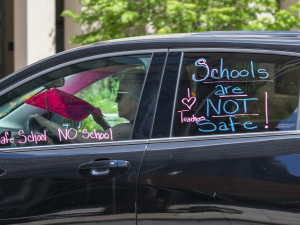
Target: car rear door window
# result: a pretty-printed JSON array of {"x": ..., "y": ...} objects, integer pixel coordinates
[
  {"x": 87, "y": 102},
  {"x": 227, "y": 93}
]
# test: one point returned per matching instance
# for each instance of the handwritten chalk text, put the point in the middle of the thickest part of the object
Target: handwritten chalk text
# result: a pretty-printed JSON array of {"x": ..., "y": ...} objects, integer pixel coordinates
[
  {"x": 190, "y": 119},
  {"x": 32, "y": 137},
  {"x": 228, "y": 74},
  {"x": 85, "y": 134},
  {"x": 223, "y": 127},
  {"x": 5, "y": 140}
]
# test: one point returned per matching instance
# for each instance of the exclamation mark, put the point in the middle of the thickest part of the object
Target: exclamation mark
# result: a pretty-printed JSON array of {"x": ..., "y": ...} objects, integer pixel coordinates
[{"x": 266, "y": 109}]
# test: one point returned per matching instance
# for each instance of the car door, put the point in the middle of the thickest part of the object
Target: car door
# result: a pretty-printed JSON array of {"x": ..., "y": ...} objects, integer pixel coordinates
[
  {"x": 77, "y": 183},
  {"x": 225, "y": 144}
]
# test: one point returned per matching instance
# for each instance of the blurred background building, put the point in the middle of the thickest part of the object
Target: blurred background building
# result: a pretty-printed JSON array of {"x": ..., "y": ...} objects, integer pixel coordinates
[{"x": 31, "y": 30}]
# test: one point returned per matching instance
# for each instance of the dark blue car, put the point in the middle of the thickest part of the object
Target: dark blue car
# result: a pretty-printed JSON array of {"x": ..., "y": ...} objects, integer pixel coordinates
[{"x": 198, "y": 128}]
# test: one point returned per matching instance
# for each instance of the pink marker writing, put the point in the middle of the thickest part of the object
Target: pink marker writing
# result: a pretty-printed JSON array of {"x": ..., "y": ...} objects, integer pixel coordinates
[
  {"x": 5, "y": 140},
  {"x": 85, "y": 134},
  {"x": 193, "y": 118},
  {"x": 189, "y": 102},
  {"x": 95, "y": 135}
]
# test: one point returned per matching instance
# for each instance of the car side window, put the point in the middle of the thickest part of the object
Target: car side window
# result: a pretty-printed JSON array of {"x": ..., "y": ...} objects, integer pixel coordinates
[
  {"x": 226, "y": 93},
  {"x": 94, "y": 101}
]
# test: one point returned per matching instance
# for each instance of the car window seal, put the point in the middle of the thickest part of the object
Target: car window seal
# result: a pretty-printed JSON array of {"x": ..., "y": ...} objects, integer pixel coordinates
[
  {"x": 176, "y": 93},
  {"x": 241, "y": 50},
  {"x": 73, "y": 146},
  {"x": 224, "y": 136}
]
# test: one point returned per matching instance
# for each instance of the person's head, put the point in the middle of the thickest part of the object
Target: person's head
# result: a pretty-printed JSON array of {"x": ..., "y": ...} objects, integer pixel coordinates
[{"x": 129, "y": 92}]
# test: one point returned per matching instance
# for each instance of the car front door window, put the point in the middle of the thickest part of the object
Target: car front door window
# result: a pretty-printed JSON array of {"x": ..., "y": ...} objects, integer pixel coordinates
[{"x": 83, "y": 103}]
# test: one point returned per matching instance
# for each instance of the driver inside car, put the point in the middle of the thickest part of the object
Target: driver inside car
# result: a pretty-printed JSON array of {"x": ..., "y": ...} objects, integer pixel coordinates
[{"x": 128, "y": 95}]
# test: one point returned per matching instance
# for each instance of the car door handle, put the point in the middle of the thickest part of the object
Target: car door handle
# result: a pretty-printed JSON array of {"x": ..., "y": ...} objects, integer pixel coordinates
[{"x": 103, "y": 167}]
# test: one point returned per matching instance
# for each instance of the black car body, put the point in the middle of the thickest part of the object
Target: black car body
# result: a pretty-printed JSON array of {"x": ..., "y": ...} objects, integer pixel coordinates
[{"x": 214, "y": 139}]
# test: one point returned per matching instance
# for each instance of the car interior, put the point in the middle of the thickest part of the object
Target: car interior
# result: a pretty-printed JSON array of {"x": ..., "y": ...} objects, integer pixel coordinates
[{"x": 84, "y": 85}]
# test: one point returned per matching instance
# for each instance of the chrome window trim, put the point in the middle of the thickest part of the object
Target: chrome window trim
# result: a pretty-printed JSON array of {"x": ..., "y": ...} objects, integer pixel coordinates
[
  {"x": 242, "y": 50},
  {"x": 122, "y": 53},
  {"x": 223, "y": 136},
  {"x": 73, "y": 146}
]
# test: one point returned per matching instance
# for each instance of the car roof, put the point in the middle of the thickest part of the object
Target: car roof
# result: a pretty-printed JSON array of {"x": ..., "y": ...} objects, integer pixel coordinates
[
  {"x": 213, "y": 34},
  {"x": 287, "y": 41},
  {"x": 210, "y": 34},
  {"x": 274, "y": 38}
]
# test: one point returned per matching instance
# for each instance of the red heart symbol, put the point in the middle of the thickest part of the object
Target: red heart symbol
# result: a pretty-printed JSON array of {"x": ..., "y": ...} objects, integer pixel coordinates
[{"x": 189, "y": 102}]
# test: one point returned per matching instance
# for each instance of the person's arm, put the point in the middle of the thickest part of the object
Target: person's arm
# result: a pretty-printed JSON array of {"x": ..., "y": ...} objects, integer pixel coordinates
[
  {"x": 49, "y": 140},
  {"x": 53, "y": 127},
  {"x": 100, "y": 120}
]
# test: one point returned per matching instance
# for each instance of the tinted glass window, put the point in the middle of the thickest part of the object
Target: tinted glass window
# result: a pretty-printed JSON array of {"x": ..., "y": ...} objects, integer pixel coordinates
[
  {"x": 221, "y": 93},
  {"x": 87, "y": 102}
]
